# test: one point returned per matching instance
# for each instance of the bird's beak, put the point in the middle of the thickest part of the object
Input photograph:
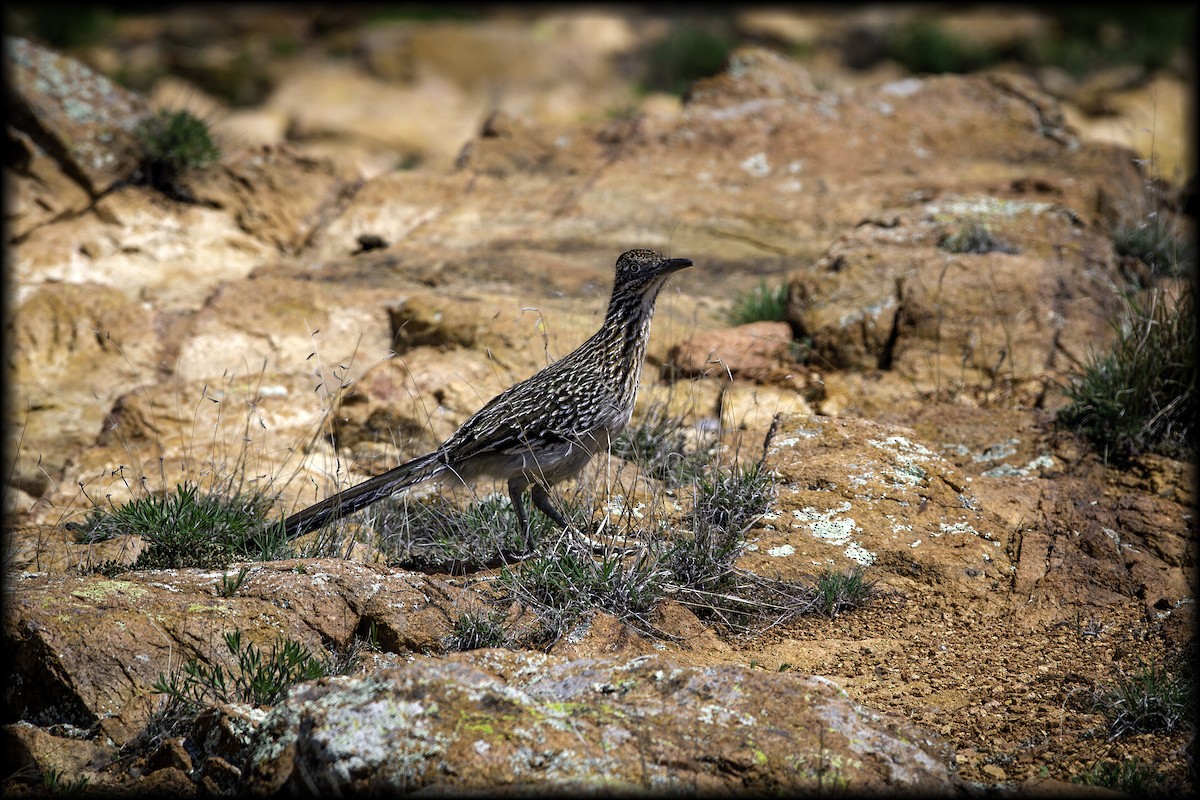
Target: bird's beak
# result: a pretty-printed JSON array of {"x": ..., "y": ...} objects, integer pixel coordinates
[{"x": 674, "y": 264}]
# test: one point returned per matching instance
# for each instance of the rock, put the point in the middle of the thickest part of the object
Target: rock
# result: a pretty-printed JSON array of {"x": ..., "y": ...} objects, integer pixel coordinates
[
  {"x": 552, "y": 67},
  {"x": 37, "y": 189},
  {"x": 908, "y": 292},
  {"x": 853, "y": 493},
  {"x": 602, "y": 635},
  {"x": 435, "y": 321},
  {"x": 16, "y": 501},
  {"x": 154, "y": 250},
  {"x": 757, "y": 352},
  {"x": 76, "y": 347},
  {"x": 694, "y": 403},
  {"x": 1049, "y": 787},
  {"x": 1141, "y": 118},
  {"x": 64, "y": 626},
  {"x": 995, "y": 31},
  {"x": 236, "y": 436},
  {"x": 784, "y": 25},
  {"x": 87, "y": 123},
  {"x": 995, "y": 772},
  {"x": 275, "y": 194},
  {"x": 414, "y": 404},
  {"x": 392, "y": 207},
  {"x": 495, "y": 718},
  {"x": 282, "y": 327},
  {"x": 753, "y": 73},
  {"x": 31, "y": 750},
  {"x": 752, "y": 408},
  {"x": 49, "y": 548},
  {"x": 428, "y": 122},
  {"x": 1086, "y": 549}
]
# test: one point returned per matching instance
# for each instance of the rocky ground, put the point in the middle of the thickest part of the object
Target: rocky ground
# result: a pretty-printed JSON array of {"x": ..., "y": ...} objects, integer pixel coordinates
[{"x": 464, "y": 214}]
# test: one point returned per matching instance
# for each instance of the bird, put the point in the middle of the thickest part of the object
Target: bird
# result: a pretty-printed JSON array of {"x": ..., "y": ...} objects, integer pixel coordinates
[{"x": 544, "y": 429}]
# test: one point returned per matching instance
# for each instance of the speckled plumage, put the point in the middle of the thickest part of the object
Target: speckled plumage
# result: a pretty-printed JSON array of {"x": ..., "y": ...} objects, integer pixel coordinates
[{"x": 546, "y": 428}]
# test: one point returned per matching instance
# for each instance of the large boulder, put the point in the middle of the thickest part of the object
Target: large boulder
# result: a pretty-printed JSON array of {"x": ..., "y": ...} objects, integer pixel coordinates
[{"x": 520, "y": 721}]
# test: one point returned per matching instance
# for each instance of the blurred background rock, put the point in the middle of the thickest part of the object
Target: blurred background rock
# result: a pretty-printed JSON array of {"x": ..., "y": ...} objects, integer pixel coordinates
[{"x": 382, "y": 86}]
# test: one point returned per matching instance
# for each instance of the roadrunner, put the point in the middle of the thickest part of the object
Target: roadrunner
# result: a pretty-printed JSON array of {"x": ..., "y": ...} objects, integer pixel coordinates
[{"x": 546, "y": 428}]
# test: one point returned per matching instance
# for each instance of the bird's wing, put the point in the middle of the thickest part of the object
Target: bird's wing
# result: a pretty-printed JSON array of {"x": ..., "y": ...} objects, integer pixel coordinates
[
  {"x": 504, "y": 438},
  {"x": 507, "y": 430}
]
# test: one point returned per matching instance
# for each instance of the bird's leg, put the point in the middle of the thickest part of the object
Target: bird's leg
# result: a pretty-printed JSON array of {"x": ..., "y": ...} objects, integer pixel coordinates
[
  {"x": 515, "y": 492},
  {"x": 542, "y": 500}
]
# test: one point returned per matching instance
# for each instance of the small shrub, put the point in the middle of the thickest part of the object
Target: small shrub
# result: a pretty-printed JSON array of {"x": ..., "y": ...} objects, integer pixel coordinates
[
  {"x": 924, "y": 46},
  {"x": 731, "y": 500},
  {"x": 55, "y": 781},
  {"x": 259, "y": 679},
  {"x": 173, "y": 143},
  {"x": 478, "y": 629},
  {"x": 688, "y": 52},
  {"x": 1151, "y": 698},
  {"x": 1160, "y": 244},
  {"x": 562, "y": 587},
  {"x": 841, "y": 591},
  {"x": 703, "y": 559},
  {"x": 704, "y": 577},
  {"x": 973, "y": 237},
  {"x": 659, "y": 444},
  {"x": 743, "y": 603},
  {"x": 1129, "y": 777},
  {"x": 764, "y": 303},
  {"x": 185, "y": 528},
  {"x": 701, "y": 562},
  {"x": 231, "y": 583},
  {"x": 436, "y": 534},
  {"x": 1141, "y": 395}
]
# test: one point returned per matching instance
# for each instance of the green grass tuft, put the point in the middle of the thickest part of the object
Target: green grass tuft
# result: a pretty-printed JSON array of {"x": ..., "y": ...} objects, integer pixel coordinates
[
  {"x": 55, "y": 782},
  {"x": 562, "y": 587},
  {"x": 1129, "y": 777},
  {"x": 1141, "y": 395},
  {"x": 173, "y": 144},
  {"x": 231, "y": 583},
  {"x": 1159, "y": 243},
  {"x": 973, "y": 237},
  {"x": 436, "y": 534},
  {"x": 1152, "y": 698},
  {"x": 185, "y": 528},
  {"x": 261, "y": 679},
  {"x": 703, "y": 559},
  {"x": 764, "y": 303},
  {"x": 478, "y": 629},
  {"x": 842, "y": 591},
  {"x": 732, "y": 499},
  {"x": 688, "y": 52}
]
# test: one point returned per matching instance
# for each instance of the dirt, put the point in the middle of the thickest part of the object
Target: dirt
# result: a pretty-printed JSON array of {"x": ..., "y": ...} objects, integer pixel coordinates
[{"x": 1016, "y": 702}]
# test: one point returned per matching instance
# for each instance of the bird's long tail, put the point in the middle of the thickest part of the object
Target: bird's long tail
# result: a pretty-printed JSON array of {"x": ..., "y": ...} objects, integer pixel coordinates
[{"x": 364, "y": 494}]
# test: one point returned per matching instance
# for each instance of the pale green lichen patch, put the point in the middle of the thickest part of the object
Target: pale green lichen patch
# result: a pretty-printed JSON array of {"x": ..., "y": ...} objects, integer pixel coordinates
[
  {"x": 219, "y": 608},
  {"x": 838, "y": 531},
  {"x": 976, "y": 207},
  {"x": 101, "y": 590}
]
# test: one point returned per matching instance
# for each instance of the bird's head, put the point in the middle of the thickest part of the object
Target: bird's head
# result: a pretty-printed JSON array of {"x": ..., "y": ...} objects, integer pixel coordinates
[{"x": 642, "y": 270}]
